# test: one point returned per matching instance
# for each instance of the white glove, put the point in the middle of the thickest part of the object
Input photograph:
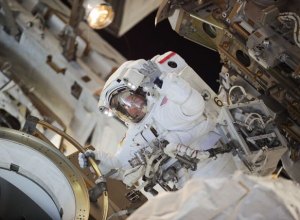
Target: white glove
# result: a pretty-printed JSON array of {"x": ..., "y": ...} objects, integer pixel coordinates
[
  {"x": 170, "y": 150},
  {"x": 131, "y": 176},
  {"x": 83, "y": 158},
  {"x": 173, "y": 149}
]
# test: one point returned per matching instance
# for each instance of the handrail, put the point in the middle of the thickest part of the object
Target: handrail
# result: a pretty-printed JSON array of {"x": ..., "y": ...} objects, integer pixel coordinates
[{"x": 90, "y": 159}]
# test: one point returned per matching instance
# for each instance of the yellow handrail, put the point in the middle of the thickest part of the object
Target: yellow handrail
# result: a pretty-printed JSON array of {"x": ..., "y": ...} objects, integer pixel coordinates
[{"x": 82, "y": 150}]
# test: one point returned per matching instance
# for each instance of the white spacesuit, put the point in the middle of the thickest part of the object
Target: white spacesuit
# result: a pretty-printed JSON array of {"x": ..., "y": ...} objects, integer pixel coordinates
[
  {"x": 235, "y": 197},
  {"x": 157, "y": 105}
]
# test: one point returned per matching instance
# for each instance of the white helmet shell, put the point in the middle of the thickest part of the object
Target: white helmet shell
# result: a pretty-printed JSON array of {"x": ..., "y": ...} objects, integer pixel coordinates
[
  {"x": 134, "y": 74},
  {"x": 119, "y": 81}
]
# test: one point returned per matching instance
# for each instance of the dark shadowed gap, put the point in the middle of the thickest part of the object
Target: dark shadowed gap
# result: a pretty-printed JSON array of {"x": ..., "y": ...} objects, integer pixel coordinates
[{"x": 145, "y": 41}]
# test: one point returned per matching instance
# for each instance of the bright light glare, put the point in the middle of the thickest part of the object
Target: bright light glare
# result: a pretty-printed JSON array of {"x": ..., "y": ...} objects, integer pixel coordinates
[
  {"x": 110, "y": 114},
  {"x": 100, "y": 16}
]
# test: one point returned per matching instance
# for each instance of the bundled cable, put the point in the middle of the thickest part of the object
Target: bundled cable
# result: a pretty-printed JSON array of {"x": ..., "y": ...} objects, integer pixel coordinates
[{"x": 292, "y": 17}]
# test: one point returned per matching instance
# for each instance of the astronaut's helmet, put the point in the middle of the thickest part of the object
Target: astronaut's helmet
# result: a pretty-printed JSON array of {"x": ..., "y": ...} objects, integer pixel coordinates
[
  {"x": 119, "y": 98},
  {"x": 129, "y": 106}
]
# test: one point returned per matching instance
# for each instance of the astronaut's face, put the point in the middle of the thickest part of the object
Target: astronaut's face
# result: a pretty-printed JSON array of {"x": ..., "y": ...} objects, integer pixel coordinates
[
  {"x": 128, "y": 106},
  {"x": 134, "y": 105}
]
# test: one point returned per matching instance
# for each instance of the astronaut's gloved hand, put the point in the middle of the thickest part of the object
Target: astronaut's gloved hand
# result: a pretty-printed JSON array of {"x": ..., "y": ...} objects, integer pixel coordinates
[
  {"x": 83, "y": 158},
  {"x": 171, "y": 150}
]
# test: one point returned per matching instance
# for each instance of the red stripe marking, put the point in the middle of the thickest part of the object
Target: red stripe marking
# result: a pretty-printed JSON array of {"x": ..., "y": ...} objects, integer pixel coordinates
[{"x": 166, "y": 58}]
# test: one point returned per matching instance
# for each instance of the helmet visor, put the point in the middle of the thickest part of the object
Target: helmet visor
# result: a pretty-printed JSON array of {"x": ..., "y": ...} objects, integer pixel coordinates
[{"x": 128, "y": 106}]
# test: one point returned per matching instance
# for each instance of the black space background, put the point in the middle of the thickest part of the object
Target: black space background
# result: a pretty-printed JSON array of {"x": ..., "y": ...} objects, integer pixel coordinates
[{"x": 145, "y": 40}]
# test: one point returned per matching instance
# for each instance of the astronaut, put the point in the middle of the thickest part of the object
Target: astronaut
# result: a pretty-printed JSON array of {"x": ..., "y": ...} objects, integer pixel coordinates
[{"x": 165, "y": 117}]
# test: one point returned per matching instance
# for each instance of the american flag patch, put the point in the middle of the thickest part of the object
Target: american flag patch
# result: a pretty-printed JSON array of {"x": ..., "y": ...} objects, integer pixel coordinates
[{"x": 164, "y": 101}]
